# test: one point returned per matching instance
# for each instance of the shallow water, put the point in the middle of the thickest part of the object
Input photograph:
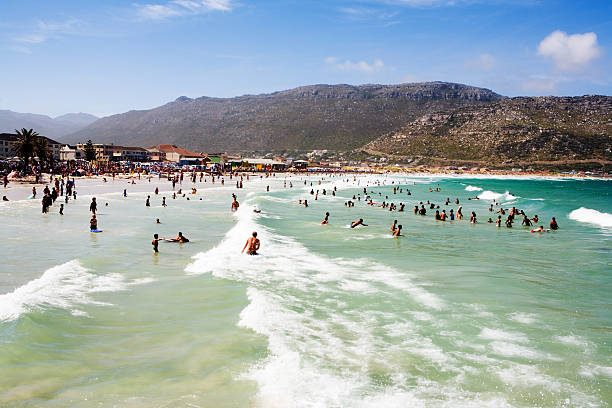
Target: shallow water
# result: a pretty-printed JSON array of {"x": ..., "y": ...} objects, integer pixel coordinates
[{"x": 452, "y": 314}]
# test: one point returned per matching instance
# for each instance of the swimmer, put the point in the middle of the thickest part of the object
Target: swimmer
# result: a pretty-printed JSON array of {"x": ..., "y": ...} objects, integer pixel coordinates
[
  {"x": 252, "y": 244},
  {"x": 326, "y": 219},
  {"x": 4, "y": 198},
  {"x": 398, "y": 231},
  {"x": 157, "y": 221},
  {"x": 180, "y": 238},
  {"x": 541, "y": 229},
  {"x": 553, "y": 224},
  {"x": 358, "y": 222}
]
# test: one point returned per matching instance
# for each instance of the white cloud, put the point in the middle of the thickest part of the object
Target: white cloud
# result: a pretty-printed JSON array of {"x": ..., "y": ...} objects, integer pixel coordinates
[
  {"x": 570, "y": 52},
  {"x": 178, "y": 8},
  {"x": 361, "y": 66}
]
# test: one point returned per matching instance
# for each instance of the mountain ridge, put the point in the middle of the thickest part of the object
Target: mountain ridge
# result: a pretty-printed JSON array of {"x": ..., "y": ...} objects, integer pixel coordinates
[
  {"x": 336, "y": 117},
  {"x": 54, "y": 128}
]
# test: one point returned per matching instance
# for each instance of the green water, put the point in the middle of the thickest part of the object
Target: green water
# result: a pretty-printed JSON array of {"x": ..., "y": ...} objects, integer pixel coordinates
[{"x": 452, "y": 314}]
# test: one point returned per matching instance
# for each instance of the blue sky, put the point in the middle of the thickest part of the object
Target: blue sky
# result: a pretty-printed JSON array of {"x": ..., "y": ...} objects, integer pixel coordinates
[{"x": 106, "y": 57}]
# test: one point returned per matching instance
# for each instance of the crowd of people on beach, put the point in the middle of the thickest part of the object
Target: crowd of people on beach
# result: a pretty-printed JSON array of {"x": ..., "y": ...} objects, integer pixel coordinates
[{"x": 64, "y": 186}]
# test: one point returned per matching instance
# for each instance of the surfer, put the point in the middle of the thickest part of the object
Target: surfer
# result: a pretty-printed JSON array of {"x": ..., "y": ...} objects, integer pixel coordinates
[{"x": 252, "y": 244}]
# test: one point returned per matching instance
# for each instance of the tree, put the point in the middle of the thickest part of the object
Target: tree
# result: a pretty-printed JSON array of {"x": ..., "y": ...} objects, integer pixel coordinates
[
  {"x": 90, "y": 151},
  {"x": 41, "y": 149},
  {"x": 24, "y": 148}
]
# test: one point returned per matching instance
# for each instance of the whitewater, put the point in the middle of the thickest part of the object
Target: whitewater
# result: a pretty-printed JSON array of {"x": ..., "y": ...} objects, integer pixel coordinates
[{"x": 452, "y": 314}]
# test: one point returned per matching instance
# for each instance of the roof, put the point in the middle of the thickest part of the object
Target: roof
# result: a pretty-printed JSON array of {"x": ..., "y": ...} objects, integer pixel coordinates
[
  {"x": 261, "y": 161},
  {"x": 168, "y": 148},
  {"x": 12, "y": 137}
]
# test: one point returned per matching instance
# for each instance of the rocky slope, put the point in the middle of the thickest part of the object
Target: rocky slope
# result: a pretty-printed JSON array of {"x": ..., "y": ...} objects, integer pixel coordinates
[
  {"x": 336, "y": 117},
  {"x": 523, "y": 129}
]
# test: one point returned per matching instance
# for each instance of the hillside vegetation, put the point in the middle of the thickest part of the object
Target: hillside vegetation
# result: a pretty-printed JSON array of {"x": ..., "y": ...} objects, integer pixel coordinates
[
  {"x": 523, "y": 130},
  {"x": 336, "y": 117}
]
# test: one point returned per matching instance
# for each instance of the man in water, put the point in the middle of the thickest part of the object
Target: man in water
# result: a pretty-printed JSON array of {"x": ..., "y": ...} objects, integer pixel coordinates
[
  {"x": 398, "y": 231},
  {"x": 155, "y": 243},
  {"x": 180, "y": 238},
  {"x": 252, "y": 244},
  {"x": 93, "y": 206},
  {"x": 541, "y": 229},
  {"x": 93, "y": 223},
  {"x": 326, "y": 219},
  {"x": 358, "y": 222},
  {"x": 235, "y": 204},
  {"x": 553, "y": 224},
  {"x": 148, "y": 202}
]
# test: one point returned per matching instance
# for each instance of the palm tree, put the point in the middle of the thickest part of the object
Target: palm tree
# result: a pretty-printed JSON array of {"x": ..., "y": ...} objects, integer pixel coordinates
[
  {"x": 41, "y": 148},
  {"x": 25, "y": 144}
]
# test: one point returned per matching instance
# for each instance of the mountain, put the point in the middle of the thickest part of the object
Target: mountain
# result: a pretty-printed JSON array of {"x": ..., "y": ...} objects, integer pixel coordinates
[
  {"x": 78, "y": 119},
  {"x": 335, "y": 117},
  {"x": 45, "y": 125},
  {"x": 524, "y": 130}
]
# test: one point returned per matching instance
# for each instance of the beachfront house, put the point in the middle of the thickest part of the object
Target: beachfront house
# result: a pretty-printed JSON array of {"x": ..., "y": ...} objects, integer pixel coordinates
[
  {"x": 9, "y": 140},
  {"x": 70, "y": 153},
  {"x": 175, "y": 154}
]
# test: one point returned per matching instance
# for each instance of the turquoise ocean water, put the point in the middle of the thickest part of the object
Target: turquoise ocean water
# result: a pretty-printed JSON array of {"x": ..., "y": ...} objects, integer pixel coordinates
[{"x": 450, "y": 315}]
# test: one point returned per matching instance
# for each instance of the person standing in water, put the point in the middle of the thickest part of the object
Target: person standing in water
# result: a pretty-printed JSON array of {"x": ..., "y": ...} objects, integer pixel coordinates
[
  {"x": 155, "y": 243},
  {"x": 235, "y": 204},
  {"x": 93, "y": 223},
  {"x": 398, "y": 231},
  {"x": 148, "y": 202},
  {"x": 253, "y": 245},
  {"x": 93, "y": 206}
]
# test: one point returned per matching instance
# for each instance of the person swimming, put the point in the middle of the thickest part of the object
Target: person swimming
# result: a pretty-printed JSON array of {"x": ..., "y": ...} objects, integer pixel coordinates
[
  {"x": 540, "y": 229},
  {"x": 357, "y": 223},
  {"x": 253, "y": 245},
  {"x": 326, "y": 219}
]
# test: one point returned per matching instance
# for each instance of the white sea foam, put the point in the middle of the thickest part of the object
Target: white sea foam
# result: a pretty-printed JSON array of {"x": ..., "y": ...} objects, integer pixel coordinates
[
  {"x": 525, "y": 318},
  {"x": 492, "y": 195},
  {"x": 593, "y": 217},
  {"x": 496, "y": 334},
  {"x": 573, "y": 341},
  {"x": 288, "y": 263},
  {"x": 62, "y": 286},
  {"x": 473, "y": 188}
]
